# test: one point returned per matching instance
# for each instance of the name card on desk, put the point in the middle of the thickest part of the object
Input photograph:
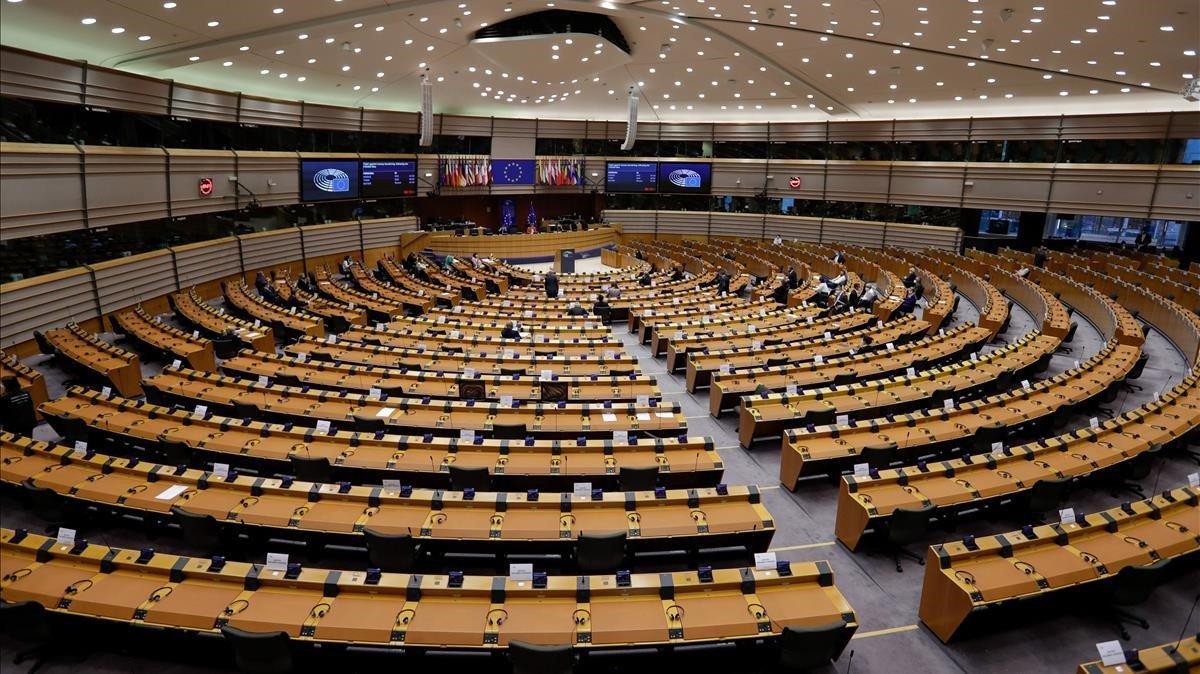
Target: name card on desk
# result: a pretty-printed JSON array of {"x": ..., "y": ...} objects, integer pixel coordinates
[
  {"x": 756, "y": 345},
  {"x": 1094, "y": 422},
  {"x": 1194, "y": 480},
  {"x": 948, "y": 403},
  {"x": 765, "y": 561},
  {"x": 643, "y": 416},
  {"x": 385, "y": 412},
  {"x": 546, "y": 375},
  {"x": 65, "y": 536},
  {"x": 509, "y": 354},
  {"x": 170, "y": 493},
  {"x": 643, "y": 400},
  {"x": 862, "y": 470},
  {"x": 466, "y": 435},
  {"x": 106, "y": 391},
  {"x": 792, "y": 389},
  {"x": 263, "y": 381},
  {"x": 374, "y": 392},
  {"x": 257, "y": 323},
  {"x": 201, "y": 410},
  {"x": 891, "y": 346},
  {"x": 752, "y": 328},
  {"x": 620, "y": 437},
  {"x": 1024, "y": 383},
  {"x": 912, "y": 371},
  {"x": 221, "y": 470},
  {"x": 582, "y": 490},
  {"x": 810, "y": 320},
  {"x": 176, "y": 363},
  {"x": 678, "y": 335},
  {"x": 842, "y": 419},
  {"x": 455, "y": 334},
  {"x": 323, "y": 426},
  {"x": 997, "y": 446},
  {"x": 609, "y": 355},
  {"x": 331, "y": 339},
  {"x": 818, "y": 358},
  {"x": 520, "y": 572},
  {"x": 381, "y": 326},
  {"x": 828, "y": 335},
  {"x": 725, "y": 368},
  {"x": 506, "y": 401},
  {"x": 391, "y": 485},
  {"x": 277, "y": 561},
  {"x": 1111, "y": 653},
  {"x": 301, "y": 357},
  {"x": 539, "y": 339},
  {"x": 195, "y": 334},
  {"x": 609, "y": 416},
  {"x": 1066, "y": 516}
]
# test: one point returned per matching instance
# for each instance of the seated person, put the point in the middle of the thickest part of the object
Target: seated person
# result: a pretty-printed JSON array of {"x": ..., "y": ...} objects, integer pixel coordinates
[
  {"x": 677, "y": 274},
  {"x": 911, "y": 278},
  {"x": 576, "y": 310},
  {"x": 908, "y": 304},
  {"x": 645, "y": 279},
  {"x": 838, "y": 280},
  {"x": 613, "y": 292},
  {"x": 346, "y": 264},
  {"x": 869, "y": 297},
  {"x": 511, "y": 331}
]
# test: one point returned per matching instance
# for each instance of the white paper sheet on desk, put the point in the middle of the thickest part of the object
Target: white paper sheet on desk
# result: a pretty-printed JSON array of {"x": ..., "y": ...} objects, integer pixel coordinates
[
  {"x": 665, "y": 415},
  {"x": 385, "y": 412},
  {"x": 643, "y": 416},
  {"x": 609, "y": 416},
  {"x": 171, "y": 492}
]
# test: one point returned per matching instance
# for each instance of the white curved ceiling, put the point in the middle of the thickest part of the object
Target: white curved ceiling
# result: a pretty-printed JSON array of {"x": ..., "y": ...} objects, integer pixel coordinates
[{"x": 692, "y": 60}]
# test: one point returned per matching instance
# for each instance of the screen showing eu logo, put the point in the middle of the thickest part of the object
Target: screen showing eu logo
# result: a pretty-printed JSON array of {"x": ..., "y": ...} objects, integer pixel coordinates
[
  {"x": 323, "y": 179},
  {"x": 685, "y": 178}
]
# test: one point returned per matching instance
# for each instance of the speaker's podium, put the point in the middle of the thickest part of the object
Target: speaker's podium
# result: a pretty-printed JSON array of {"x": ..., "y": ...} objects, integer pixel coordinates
[{"x": 564, "y": 262}]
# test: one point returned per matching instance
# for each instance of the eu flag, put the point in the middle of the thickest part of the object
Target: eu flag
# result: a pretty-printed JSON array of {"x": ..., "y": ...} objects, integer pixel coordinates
[{"x": 512, "y": 171}]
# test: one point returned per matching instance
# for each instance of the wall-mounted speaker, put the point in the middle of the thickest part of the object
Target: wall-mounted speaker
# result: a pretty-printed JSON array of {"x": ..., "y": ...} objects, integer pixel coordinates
[
  {"x": 631, "y": 124},
  {"x": 426, "y": 113}
]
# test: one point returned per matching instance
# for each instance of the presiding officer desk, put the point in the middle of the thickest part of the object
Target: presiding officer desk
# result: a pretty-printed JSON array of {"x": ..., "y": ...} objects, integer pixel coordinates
[
  {"x": 495, "y": 522},
  {"x": 967, "y": 577},
  {"x": 425, "y": 459},
  {"x": 435, "y": 611},
  {"x": 402, "y": 414},
  {"x": 450, "y": 385},
  {"x": 84, "y": 351}
]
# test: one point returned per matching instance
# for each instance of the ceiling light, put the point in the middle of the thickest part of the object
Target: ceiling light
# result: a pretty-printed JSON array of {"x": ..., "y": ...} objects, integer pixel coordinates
[
  {"x": 143, "y": 38},
  {"x": 227, "y": 63},
  {"x": 168, "y": 5},
  {"x": 88, "y": 21},
  {"x": 117, "y": 30},
  {"x": 213, "y": 24},
  {"x": 193, "y": 59},
  {"x": 277, "y": 10},
  {"x": 1166, "y": 29}
]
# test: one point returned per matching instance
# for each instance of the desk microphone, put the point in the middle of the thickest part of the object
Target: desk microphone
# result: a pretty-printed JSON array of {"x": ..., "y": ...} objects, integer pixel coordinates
[{"x": 696, "y": 463}]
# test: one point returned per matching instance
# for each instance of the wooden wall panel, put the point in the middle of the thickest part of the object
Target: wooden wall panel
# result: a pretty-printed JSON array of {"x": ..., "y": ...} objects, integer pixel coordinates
[
  {"x": 274, "y": 177},
  {"x": 187, "y": 167},
  {"x": 461, "y": 125},
  {"x": 124, "y": 184},
  {"x": 1178, "y": 194},
  {"x": 27, "y": 75},
  {"x": 265, "y": 250},
  {"x": 1103, "y": 189},
  {"x": 736, "y": 225},
  {"x": 386, "y": 232},
  {"x": 41, "y": 190},
  {"x": 928, "y": 183},
  {"x": 810, "y": 172},
  {"x": 390, "y": 121},
  {"x": 857, "y": 181},
  {"x": 199, "y": 103},
  {"x": 919, "y": 237},
  {"x": 129, "y": 280},
  {"x": 255, "y": 110},
  {"x": 793, "y": 228},
  {"x": 738, "y": 177},
  {"x": 857, "y": 232},
  {"x": 633, "y": 222},
  {"x": 331, "y": 239},
  {"x": 206, "y": 261},
  {"x": 45, "y": 302},
  {"x": 687, "y": 224},
  {"x": 119, "y": 90},
  {"x": 331, "y": 117},
  {"x": 1022, "y": 187}
]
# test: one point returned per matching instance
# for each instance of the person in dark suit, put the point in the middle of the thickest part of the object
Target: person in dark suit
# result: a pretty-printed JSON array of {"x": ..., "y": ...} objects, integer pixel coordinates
[
  {"x": 1143, "y": 240},
  {"x": 780, "y": 294},
  {"x": 676, "y": 274},
  {"x": 576, "y": 310},
  {"x": 838, "y": 257},
  {"x": 551, "y": 284},
  {"x": 908, "y": 304},
  {"x": 722, "y": 282},
  {"x": 911, "y": 278},
  {"x": 16, "y": 409},
  {"x": 600, "y": 306},
  {"x": 510, "y": 331},
  {"x": 1039, "y": 257},
  {"x": 645, "y": 279},
  {"x": 793, "y": 279}
]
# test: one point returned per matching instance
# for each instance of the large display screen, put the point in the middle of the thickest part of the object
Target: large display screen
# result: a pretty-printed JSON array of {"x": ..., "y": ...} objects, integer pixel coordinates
[
  {"x": 389, "y": 178},
  {"x": 326, "y": 179},
  {"x": 684, "y": 178},
  {"x": 631, "y": 176}
]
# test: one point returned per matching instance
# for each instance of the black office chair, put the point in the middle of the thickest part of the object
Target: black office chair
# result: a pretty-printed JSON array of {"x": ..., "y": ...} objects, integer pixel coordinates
[
  {"x": 200, "y": 531},
  {"x": 475, "y": 478},
  {"x": 545, "y": 354},
  {"x": 46, "y": 504},
  {"x": 44, "y": 344},
  {"x": 940, "y": 395},
  {"x": 600, "y": 553},
  {"x": 807, "y": 648},
  {"x": 510, "y": 371},
  {"x": 1063, "y": 348},
  {"x": 880, "y": 455},
  {"x": 1044, "y": 496},
  {"x": 844, "y": 379},
  {"x": 27, "y": 622},
  {"x": 284, "y": 379},
  {"x": 1131, "y": 586},
  {"x": 225, "y": 347},
  {"x": 1135, "y": 372},
  {"x": 987, "y": 435},
  {"x": 778, "y": 361},
  {"x": 368, "y": 423},
  {"x": 260, "y": 652},
  {"x": 336, "y": 325},
  {"x": 174, "y": 452},
  {"x": 1003, "y": 382},
  {"x": 907, "y": 526},
  {"x": 242, "y": 410},
  {"x": 509, "y": 431},
  {"x": 620, "y": 373},
  {"x": 70, "y": 428},
  {"x": 637, "y": 479},
  {"x": 823, "y": 417},
  {"x": 1137, "y": 468},
  {"x": 529, "y": 658},
  {"x": 391, "y": 552},
  {"x": 312, "y": 469}
]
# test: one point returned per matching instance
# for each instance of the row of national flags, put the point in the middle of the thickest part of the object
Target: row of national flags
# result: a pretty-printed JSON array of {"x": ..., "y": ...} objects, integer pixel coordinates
[
  {"x": 466, "y": 171},
  {"x": 560, "y": 171},
  {"x": 476, "y": 171}
]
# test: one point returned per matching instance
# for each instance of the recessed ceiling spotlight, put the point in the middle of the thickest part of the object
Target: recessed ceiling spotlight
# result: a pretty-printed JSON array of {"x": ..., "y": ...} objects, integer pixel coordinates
[
  {"x": 117, "y": 30},
  {"x": 213, "y": 24},
  {"x": 88, "y": 21}
]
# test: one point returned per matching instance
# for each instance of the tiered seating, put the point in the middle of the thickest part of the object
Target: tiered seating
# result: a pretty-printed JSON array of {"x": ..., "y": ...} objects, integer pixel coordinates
[
  {"x": 515, "y": 420},
  {"x": 285, "y": 321},
  {"x": 166, "y": 341},
  {"x": 218, "y": 325},
  {"x": 30, "y": 380},
  {"x": 95, "y": 358},
  {"x": 314, "y": 605},
  {"x": 966, "y": 578},
  {"x": 1180, "y": 655},
  {"x": 425, "y": 459}
]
